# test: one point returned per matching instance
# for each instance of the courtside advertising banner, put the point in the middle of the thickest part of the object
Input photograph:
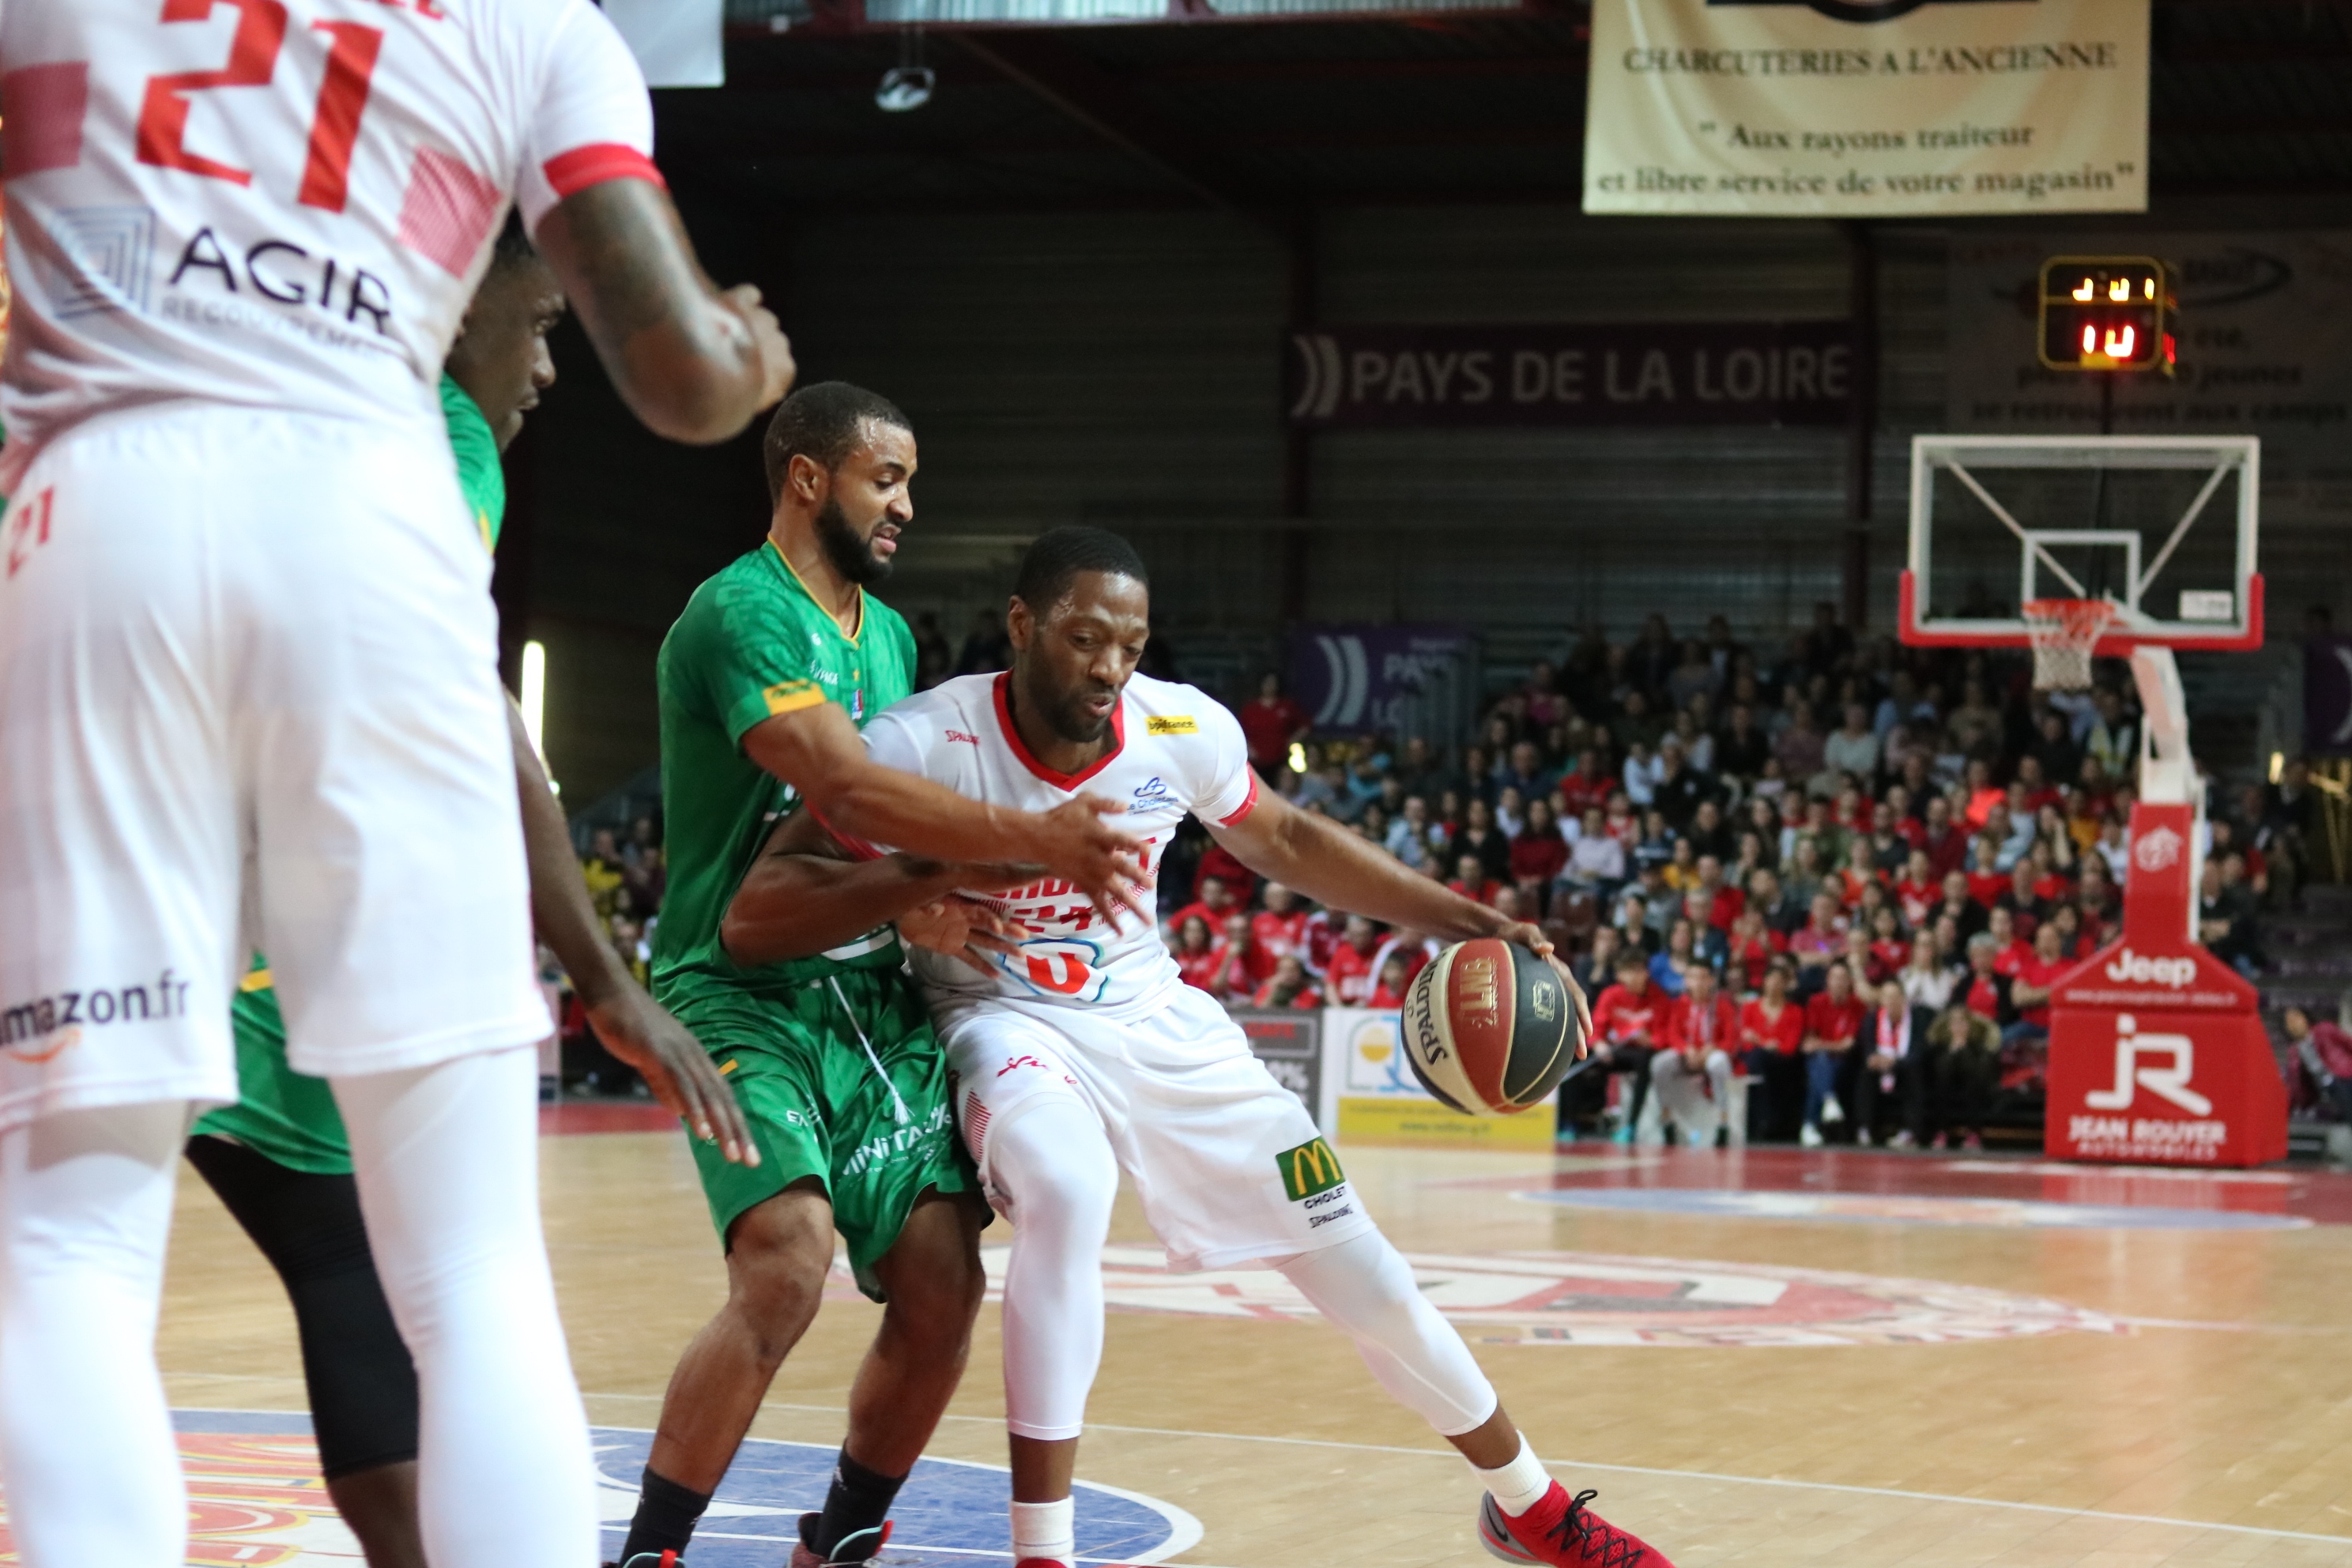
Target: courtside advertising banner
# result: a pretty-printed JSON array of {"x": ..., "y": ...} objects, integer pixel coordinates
[{"x": 1867, "y": 108}]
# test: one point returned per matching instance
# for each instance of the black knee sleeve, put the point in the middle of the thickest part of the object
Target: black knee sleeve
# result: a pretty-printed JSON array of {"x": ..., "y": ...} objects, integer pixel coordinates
[{"x": 362, "y": 1385}]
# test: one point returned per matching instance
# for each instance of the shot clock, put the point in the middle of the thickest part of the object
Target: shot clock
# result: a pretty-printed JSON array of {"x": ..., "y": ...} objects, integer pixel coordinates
[{"x": 2106, "y": 312}]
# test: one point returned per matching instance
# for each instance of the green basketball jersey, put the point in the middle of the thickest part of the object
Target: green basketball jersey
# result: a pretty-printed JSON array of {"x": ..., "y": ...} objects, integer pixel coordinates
[
  {"x": 281, "y": 1114},
  {"x": 477, "y": 448},
  {"x": 751, "y": 644}
]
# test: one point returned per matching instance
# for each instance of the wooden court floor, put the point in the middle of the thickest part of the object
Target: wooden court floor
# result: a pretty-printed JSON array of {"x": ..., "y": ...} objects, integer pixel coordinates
[{"x": 1767, "y": 1358}]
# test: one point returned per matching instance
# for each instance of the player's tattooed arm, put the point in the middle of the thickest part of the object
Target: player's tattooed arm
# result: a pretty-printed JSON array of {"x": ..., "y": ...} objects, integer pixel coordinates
[
  {"x": 632, "y": 1026},
  {"x": 817, "y": 752},
  {"x": 1317, "y": 857},
  {"x": 691, "y": 362},
  {"x": 806, "y": 893}
]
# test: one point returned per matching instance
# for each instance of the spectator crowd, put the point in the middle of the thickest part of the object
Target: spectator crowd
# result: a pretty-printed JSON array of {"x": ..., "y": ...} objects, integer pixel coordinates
[{"x": 1845, "y": 871}]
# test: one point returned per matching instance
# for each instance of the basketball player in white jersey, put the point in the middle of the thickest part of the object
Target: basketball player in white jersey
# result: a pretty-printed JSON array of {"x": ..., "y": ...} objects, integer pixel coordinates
[
  {"x": 247, "y": 672},
  {"x": 1080, "y": 1053}
]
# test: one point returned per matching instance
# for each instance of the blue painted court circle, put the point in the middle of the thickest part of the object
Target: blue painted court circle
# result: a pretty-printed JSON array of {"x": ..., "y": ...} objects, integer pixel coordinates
[{"x": 256, "y": 1500}]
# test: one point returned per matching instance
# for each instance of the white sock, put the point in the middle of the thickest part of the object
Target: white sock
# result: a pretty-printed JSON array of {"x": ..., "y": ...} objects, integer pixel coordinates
[
  {"x": 1519, "y": 1485},
  {"x": 1046, "y": 1529}
]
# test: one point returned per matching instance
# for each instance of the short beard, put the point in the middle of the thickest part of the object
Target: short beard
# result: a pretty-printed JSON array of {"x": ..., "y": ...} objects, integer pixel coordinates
[
  {"x": 1074, "y": 724},
  {"x": 851, "y": 557}
]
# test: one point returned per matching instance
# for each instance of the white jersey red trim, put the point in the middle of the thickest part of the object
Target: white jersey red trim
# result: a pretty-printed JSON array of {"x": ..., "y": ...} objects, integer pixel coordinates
[
  {"x": 281, "y": 203},
  {"x": 1175, "y": 750}
]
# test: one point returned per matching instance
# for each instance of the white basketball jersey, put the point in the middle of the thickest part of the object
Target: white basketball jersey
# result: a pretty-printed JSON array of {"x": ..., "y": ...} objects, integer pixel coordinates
[
  {"x": 1177, "y": 749},
  {"x": 280, "y": 204}
]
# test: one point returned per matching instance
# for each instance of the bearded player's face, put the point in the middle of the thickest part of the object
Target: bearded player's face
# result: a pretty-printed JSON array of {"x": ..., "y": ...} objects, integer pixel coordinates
[
  {"x": 1073, "y": 661},
  {"x": 870, "y": 499}
]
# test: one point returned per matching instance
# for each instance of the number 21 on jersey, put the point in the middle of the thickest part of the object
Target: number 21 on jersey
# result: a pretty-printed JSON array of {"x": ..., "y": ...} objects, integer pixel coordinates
[{"x": 261, "y": 26}]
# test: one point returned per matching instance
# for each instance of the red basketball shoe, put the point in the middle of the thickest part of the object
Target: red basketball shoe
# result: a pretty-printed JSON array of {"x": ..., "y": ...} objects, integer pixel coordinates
[{"x": 1560, "y": 1532}]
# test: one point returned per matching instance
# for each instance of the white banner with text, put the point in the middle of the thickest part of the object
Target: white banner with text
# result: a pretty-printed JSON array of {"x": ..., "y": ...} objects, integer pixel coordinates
[{"x": 1867, "y": 108}]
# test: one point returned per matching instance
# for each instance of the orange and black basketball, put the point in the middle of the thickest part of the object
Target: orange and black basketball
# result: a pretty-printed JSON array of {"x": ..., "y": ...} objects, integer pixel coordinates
[{"x": 1489, "y": 1027}]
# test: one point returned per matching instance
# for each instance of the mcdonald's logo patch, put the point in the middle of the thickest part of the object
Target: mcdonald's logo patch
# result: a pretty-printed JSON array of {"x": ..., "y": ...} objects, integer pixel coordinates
[{"x": 1310, "y": 1169}]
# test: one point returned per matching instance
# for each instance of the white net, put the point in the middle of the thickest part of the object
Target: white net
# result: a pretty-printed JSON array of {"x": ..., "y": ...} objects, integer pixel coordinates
[{"x": 2065, "y": 633}]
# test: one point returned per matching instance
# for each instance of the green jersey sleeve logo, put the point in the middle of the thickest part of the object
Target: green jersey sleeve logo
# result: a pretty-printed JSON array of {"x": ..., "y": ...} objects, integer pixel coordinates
[{"x": 1310, "y": 1169}]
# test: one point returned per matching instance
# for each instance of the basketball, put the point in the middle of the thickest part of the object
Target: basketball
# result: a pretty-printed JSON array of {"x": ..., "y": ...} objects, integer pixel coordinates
[{"x": 1489, "y": 1027}]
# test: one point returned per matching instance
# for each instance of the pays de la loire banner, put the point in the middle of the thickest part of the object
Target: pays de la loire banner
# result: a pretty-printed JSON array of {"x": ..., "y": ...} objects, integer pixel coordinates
[
  {"x": 1715, "y": 372},
  {"x": 1867, "y": 108}
]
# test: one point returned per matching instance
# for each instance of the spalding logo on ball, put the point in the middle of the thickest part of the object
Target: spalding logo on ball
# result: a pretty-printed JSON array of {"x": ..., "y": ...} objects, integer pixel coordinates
[{"x": 1489, "y": 1027}]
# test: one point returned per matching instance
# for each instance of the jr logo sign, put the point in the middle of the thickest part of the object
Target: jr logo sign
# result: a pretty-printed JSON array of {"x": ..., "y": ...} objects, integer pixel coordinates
[{"x": 2168, "y": 1082}]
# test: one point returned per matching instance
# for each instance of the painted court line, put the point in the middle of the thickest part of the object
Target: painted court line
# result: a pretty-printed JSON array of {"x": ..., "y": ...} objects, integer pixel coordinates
[
  {"x": 2056, "y": 1509},
  {"x": 2265, "y": 1531}
]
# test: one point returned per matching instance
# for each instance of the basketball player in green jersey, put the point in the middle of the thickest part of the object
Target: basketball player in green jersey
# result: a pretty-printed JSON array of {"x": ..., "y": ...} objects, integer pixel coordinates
[
  {"x": 278, "y": 1158},
  {"x": 764, "y": 681}
]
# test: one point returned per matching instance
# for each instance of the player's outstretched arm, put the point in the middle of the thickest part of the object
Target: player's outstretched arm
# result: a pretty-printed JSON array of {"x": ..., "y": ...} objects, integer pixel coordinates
[
  {"x": 694, "y": 363},
  {"x": 806, "y": 893},
  {"x": 817, "y": 752},
  {"x": 632, "y": 1026},
  {"x": 1319, "y": 858}
]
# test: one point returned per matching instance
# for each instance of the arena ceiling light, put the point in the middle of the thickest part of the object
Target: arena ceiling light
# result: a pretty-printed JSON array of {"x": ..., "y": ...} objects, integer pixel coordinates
[{"x": 910, "y": 83}]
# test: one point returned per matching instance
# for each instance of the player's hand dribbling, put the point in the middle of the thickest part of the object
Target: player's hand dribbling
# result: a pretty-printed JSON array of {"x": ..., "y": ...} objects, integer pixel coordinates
[
  {"x": 1532, "y": 938},
  {"x": 777, "y": 369},
  {"x": 1076, "y": 842},
  {"x": 640, "y": 1032}
]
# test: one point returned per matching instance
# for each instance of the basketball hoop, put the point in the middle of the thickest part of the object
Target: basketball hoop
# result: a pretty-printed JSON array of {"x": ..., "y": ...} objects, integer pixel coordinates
[{"x": 2064, "y": 632}]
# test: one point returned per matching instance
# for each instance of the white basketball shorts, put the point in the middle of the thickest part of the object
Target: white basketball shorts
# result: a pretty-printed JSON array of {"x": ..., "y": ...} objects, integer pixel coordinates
[
  {"x": 1226, "y": 1162},
  {"x": 249, "y": 694}
]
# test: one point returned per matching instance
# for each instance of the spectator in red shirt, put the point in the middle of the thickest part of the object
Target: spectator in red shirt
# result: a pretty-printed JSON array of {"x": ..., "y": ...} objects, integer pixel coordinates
[
  {"x": 1197, "y": 958},
  {"x": 1291, "y": 986},
  {"x": 1539, "y": 854},
  {"x": 1818, "y": 942},
  {"x": 1984, "y": 990},
  {"x": 1917, "y": 895},
  {"x": 1987, "y": 881},
  {"x": 1946, "y": 841},
  {"x": 1691, "y": 1074},
  {"x": 1211, "y": 907},
  {"x": 2036, "y": 978},
  {"x": 2054, "y": 877},
  {"x": 1889, "y": 949},
  {"x": 1627, "y": 1022},
  {"x": 1395, "y": 979},
  {"x": 1470, "y": 880},
  {"x": 1750, "y": 949},
  {"x": 1279, "y": 929},
  {"x": 1832, "y": 1019},
  {"x": 2009, "y": 950},
  {"x": 1271, "y": 724},
  {"x": 1242, "y": 969},
  {"x": 1723, "y": 901},
  {"x": 1772, "y": 1031},
  {"x": 1586, "y": 787},
  {"x": 1351, "y": 974}
]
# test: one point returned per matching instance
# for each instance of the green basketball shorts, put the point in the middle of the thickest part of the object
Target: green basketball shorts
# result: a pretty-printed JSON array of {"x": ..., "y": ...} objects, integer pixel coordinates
[{"x": 842, "y": 1079}]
